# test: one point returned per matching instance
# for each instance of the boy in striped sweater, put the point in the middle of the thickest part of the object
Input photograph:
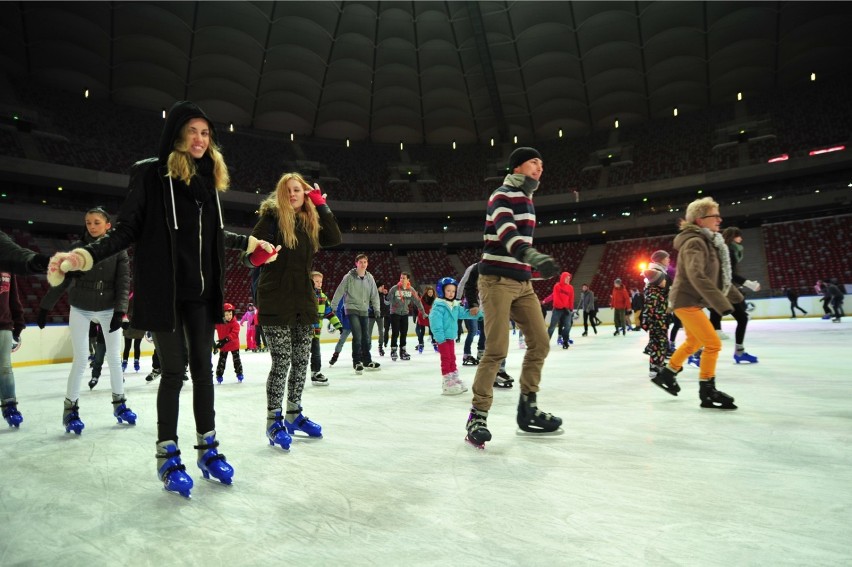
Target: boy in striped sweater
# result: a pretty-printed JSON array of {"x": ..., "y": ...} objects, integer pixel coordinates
[{"x": 505, "y": 290}]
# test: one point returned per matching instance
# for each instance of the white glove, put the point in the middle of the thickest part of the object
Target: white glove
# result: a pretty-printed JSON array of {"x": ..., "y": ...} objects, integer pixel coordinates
[{"x": 752, "y": 285}]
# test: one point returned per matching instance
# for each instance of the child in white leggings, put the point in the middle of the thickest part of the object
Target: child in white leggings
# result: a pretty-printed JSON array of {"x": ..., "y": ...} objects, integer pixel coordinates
[{"x": 99, "y": 296}]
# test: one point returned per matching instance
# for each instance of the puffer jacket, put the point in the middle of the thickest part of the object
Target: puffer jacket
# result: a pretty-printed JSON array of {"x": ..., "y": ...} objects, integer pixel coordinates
[
  {"x": 285, "y": 291},
  {"x": 444, "y": 319},
  {"x": 105, "y": 286},
  {"x": 699, "y": 279}
]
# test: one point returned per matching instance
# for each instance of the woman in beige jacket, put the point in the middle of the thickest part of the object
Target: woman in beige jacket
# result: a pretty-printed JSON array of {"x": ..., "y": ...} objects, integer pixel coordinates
[{"x": 702, "y": 279}]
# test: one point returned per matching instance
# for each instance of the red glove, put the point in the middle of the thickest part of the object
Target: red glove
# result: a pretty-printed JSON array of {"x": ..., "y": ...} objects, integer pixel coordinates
[
  {"x": 316, "y": 196},
  {"x": 260, "y": 256}
]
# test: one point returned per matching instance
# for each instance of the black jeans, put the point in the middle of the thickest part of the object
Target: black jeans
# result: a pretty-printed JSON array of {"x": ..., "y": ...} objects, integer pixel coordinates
[
  {"x": 399, "y": 326},
  {"x": 316, "y": 363},
  {"x": 190, "y": 343}
]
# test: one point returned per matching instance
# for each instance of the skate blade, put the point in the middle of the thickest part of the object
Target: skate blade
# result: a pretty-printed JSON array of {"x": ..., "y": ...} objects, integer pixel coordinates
[
  {"x": 475, "y": 445},
  {"x": 521, "y": 433},
  {"x": 723, "y": 408},
  {"x": 662, "y": 387}
]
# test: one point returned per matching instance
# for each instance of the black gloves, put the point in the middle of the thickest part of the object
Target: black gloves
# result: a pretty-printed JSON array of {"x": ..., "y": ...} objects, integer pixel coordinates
[
  {"x": 41, "y": 318},
  {"x": 115, "y": 322},
  {"x": 544, "y": 264},
  {"x": 219, "y": 344},
  {"x": 38, "y": 264}
]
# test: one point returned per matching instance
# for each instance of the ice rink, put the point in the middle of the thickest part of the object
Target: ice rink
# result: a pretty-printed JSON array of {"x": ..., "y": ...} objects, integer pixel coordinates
[{"x": 637, "y": 478}]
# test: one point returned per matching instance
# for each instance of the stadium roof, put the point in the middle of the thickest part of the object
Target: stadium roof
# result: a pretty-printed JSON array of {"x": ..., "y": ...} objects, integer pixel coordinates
[{"x": 426, "y": 72}]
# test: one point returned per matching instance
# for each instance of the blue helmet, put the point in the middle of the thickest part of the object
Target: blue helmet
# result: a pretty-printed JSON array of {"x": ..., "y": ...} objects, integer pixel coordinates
[{"x": 439, "y": 289}]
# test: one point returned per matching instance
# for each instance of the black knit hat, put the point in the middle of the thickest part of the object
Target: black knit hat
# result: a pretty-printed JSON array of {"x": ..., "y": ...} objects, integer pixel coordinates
[{"x": 520, "y": 155}]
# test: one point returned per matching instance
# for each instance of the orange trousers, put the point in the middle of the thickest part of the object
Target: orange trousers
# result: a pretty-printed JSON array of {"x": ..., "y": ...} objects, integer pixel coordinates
[{"x": 699, "y": 333}]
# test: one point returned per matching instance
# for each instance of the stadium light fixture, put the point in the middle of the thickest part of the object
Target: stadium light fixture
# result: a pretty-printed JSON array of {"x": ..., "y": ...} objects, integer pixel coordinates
[
  {"x": 813, "y": 76},
  {"x": 782, "y": 157}
]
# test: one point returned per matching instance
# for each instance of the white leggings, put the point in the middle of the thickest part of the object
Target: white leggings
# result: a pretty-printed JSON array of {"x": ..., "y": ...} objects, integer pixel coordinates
[{"x": 78, "y": 324}]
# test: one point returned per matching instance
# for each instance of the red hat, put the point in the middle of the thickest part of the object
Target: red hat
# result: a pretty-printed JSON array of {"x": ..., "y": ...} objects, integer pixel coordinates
[{"x": 229, "y": 307}]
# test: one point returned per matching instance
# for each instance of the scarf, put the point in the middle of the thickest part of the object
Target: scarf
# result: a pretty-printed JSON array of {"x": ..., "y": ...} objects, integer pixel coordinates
[
  {"x": 737, "y": 250},
  {"x": 724, "y": 257},
  {"x": 520, "y": 181}
]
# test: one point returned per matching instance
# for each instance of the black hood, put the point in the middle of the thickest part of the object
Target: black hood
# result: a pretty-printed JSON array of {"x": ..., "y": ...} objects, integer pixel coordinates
[{"x": 179, "y": 114}]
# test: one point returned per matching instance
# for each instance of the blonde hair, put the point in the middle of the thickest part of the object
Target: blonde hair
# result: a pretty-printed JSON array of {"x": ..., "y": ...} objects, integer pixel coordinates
[
  {"x": 698, "y": 208},
  {"x": 279, "y": 201},
  {"x": 181, "y": 164},
  {"x": 314, "y": 274}
]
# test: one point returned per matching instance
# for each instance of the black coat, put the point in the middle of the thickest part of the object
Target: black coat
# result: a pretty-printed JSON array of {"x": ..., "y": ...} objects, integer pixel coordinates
[
  {"x": 146, "y": 220},
  {"x": 151, "y": 218}
]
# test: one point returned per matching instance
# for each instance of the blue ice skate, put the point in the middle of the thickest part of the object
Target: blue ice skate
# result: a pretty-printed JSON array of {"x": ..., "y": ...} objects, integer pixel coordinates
[
  {"x": 302, "y": 424},
  {"x": 744, "y": 357},
  {"x": 11, "y": 414},
  {"x": 210, "y": 461},
  {"x": 171, "y": 471},
  {"x": 276, "y": 432},
  {"x": 123, "y": 413},
  {"x": 71, "y": 418}
]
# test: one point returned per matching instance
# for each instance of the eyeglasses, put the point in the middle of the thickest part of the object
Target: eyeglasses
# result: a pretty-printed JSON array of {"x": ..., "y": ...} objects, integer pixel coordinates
[{"x": 711, "y": 217}]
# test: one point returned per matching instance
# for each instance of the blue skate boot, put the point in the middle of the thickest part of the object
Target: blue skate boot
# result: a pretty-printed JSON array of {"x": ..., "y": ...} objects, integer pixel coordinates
[
  {"x": 695, "y": 359},
  {"x": 124, "y": 365},
  {"x": 419, "y": 348},
  {"x": 171, "y": 471},
  {"x": 219, "y": 378},
  {"x": 296, "y": 421},
  {"x": 210, "y": 461},
  {"x": 240, "y": 378},
  {"x": 10, "y": 412},
  {"x": 71, "y": 417},
  {"x": 276, "y": 431},
  {"x": 121, "y": 412},
  {"x": 136, "y": 365},
  {"x": 743, "y": 356}
]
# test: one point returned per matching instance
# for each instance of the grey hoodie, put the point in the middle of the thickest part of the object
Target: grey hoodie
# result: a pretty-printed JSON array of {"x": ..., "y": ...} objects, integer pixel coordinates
[{"x": 360, "y": 294}]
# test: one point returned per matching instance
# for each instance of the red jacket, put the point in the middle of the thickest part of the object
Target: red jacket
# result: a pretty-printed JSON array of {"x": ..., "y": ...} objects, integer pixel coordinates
[
  {"x": 563, "y": 293},
  {"x": 231, "y": 330},
  {"x": 620, "y": 298}
]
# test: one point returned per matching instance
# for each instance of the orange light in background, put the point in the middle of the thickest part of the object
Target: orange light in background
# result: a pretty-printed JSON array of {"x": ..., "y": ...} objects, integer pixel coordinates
[{"x": 643, "y": 266}]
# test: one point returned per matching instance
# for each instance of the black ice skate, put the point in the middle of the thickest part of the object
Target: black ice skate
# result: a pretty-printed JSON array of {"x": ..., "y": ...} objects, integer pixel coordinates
[
  {"x": 667, "y": 380},
  {"x": 532, "y": 419},
  {"x": 503, "y": 380},
  {"x": 469, "y": 361},
  {"x": 713, "y": 398},
  {"x": 404, "y": 355},
  {"x": 393, "y": 354},
  {"x": 477, "y": 428}
]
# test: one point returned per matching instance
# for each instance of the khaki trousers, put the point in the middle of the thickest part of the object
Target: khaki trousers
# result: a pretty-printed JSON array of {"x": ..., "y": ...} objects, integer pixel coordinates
[{"x": 503, "y": 299}]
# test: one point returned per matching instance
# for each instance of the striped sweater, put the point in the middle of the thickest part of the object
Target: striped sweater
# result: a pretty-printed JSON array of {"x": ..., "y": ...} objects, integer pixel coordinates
[{"x": 509, "y": 226}]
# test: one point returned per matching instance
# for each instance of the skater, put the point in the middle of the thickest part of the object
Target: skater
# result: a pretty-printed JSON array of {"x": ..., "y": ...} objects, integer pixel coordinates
[
  {"x": 98, "y": 296},
  {"x": 734, "y": 240},
  {"x": 155, "y": 367},
  {"x": 587, "y": 304},
  {"x": 793, "y": 297},
  {"x": 384, "y": 321},
  {"x": 98, "y": 341},
  {"x": 345, "y": 331},
  {"x": 703, "y": 279},
  {"x": 563, "y": 309},
  {"x": 323, "y": 312},
  {"x": 358, "y": 289},
  {"x": 173, "y": 216},
  {"x": 834, "y": 292},
  {"x": 11, "y": 325},
  {"x": 620, "y": 303},
  {"x": 228, "y": 334},
  {"x": 297, "y": 219},
  {"x": 637, "y": 302},
  {"x": 422, "y": 318},
  {"x": 443, "y": 320},
  {"x": 401, "y": 297},
  {"x": 505, "y": 291},
  {"x": 249, "y": 319},
  {"x": 654, "y": 316},
  {"x": 821, "y": 288},
  {"x": 473, "y": 327},
  {"x": 132, "y": 337}
]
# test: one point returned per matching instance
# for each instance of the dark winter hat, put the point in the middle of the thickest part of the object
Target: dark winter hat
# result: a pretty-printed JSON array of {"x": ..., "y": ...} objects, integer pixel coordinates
[
  {"x": 659, "y": 256},
  {"x": 653, "y": 276},
  {"x": 520, "y": 155}
]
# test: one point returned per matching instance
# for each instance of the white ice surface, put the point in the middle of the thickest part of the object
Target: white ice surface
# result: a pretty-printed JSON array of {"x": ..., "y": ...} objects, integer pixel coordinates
[{"x": 637, "y": 478}]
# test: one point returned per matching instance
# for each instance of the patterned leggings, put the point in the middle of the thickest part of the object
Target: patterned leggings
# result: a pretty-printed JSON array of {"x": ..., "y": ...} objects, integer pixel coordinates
[
  {"x": 290, "y": 348},
  {"x": 658, "y": 342}
]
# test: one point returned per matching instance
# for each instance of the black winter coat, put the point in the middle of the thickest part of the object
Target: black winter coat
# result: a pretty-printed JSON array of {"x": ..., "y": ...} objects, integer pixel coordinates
[{"x": 285, "y": 292}]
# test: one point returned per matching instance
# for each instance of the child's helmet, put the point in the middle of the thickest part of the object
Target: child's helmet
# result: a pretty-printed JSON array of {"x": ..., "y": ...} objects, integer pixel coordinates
[
  {"x": 228, "y": 307},
  {"x": 439, "y": 289}
]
